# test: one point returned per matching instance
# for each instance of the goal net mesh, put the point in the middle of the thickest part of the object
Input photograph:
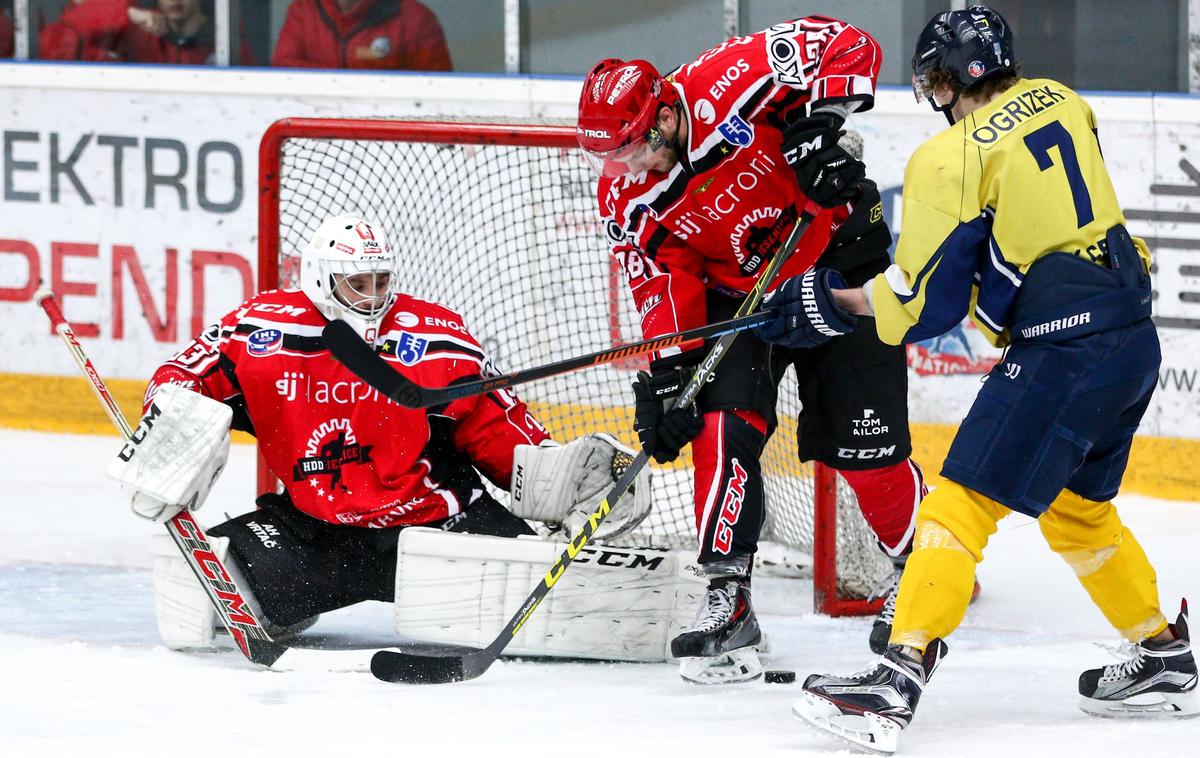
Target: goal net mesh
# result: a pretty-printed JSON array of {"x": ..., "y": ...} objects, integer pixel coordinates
[{"x": 508, "y": 236}]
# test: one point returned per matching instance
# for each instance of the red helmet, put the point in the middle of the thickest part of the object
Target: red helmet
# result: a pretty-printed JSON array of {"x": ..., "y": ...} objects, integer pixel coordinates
[{"x": 618, "y": 111}]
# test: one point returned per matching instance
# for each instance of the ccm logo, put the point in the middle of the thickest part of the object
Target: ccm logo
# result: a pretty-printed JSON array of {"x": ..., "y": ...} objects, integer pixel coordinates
[
  {"x": 619, "y": 559},
  {"x": 140, "y": 433},
  {"x": 867, "y": 454}
]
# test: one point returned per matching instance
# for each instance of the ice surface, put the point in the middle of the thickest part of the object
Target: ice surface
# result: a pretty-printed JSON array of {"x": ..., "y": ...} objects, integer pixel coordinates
[{"x": 82, "y": 672}]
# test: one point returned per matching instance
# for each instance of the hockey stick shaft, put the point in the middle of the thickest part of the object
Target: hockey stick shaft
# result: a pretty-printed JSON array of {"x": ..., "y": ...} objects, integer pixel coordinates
[
  {"x": 348, "y": 347},
  {"x": 685, "y": 399},
  {"x": 428, "y": 669},
  {"x": 222, "y": 591}
]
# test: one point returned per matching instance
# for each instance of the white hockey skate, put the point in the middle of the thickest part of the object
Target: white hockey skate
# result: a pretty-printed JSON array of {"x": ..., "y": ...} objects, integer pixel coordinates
[{"x": 723, "y": 645}]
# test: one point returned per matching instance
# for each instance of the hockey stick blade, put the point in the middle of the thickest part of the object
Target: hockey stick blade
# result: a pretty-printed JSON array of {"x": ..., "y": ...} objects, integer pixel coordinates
[
  {"x": 359, "y": 357},
  {"x": 443, "y": 668}
]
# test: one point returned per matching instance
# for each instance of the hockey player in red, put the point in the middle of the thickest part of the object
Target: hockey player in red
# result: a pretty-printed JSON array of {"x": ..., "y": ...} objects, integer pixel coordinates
[
  {"x": 355, "y": 466},
  {"x": 376, "y": 34},
  {"x": 703, "y": 174}
]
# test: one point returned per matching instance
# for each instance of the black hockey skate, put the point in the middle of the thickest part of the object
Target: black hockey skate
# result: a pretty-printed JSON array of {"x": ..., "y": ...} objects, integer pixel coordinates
[
  {"x": 720, "y": 648},
  {"x": 1157, "y": 681},
  {"x": 870, "y": 708},
  {"x": 881, "y": 630}
]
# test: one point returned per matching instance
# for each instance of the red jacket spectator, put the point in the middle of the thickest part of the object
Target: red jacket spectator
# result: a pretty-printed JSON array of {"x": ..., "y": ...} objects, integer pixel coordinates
[
  {"x": 6, "y": 36},
  {"x": 379, "y": 34},
  {"x": 101, "y": 30}
]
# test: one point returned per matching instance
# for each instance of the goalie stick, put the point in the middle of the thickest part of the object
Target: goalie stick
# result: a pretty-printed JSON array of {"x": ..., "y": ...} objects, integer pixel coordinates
[
  {"x": 458, "y": 664},
  {"x": 359, "y": 357},
  {"x": 230, "y": 603}
]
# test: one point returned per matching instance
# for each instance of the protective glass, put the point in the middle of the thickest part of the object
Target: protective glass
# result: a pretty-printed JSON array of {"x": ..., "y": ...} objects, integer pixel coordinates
[
  {"x": 921, "y": 89},
  {"x": 364, "y": 287},
  {"x": 631, "y": 158}
]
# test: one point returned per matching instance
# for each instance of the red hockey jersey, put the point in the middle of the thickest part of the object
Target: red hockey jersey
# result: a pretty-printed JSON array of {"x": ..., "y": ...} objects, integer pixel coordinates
[
  {"x": 716, "y": 219},
  {"x": 345, "y": 453}
]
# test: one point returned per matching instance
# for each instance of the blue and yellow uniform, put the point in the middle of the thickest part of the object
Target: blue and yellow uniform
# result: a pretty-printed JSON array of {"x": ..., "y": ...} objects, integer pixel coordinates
[
  {"x": 1010, "y": 217},
  {"x": 1016, "y": 180}
]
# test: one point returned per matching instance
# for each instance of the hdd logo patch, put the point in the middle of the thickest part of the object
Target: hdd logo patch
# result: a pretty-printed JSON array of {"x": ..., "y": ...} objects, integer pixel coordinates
[{"x": 331, "y": 446}]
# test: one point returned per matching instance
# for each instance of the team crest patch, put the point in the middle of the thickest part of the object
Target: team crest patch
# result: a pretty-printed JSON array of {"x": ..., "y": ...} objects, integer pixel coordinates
[
  {"x": 264, "y": 342},
  {"x": 737, "y": 131},
  {"x": 410, "y": 349},
  {"x": 975, "y": 69}
]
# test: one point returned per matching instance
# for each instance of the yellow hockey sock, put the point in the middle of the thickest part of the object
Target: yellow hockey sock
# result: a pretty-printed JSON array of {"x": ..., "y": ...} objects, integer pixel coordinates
[
  {"x": 953, "y": 527},
  {"x": 1109, "y": 562}
]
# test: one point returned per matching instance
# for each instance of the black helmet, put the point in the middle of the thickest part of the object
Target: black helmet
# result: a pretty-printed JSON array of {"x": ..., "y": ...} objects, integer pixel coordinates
[{"x": 971, "y": 45}]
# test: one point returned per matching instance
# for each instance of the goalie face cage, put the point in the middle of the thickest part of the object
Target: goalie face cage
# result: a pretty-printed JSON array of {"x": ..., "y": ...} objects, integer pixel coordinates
[{"x": 497, "y": 221}]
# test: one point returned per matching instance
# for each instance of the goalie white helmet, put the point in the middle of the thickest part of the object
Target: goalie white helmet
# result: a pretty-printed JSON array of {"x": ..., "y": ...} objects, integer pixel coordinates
[{"x": 348, "y": 271}]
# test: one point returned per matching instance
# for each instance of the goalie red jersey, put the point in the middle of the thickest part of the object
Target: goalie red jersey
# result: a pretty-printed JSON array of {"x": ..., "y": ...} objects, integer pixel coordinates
[
  {"x": 345, "y": 453},
  {"x": 718, "y": 216}
]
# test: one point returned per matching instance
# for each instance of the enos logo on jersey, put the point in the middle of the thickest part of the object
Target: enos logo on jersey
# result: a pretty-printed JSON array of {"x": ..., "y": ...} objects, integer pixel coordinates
[{"x": 264, "y": 342}]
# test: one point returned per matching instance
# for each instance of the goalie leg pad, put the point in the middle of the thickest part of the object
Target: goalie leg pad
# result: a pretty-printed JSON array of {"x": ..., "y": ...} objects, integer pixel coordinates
[
  {"x": 615, "y": 603},
  {"x": 186, "y": 618}
]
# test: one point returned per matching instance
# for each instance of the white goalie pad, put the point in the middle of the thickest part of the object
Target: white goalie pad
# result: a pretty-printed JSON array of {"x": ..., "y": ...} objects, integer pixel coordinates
[
  {"x": 186, "y": 617},
  {"x": 565, "y": 484},
  {"x": 175, "y": 454},
  {"x": 613, "y": 603}
]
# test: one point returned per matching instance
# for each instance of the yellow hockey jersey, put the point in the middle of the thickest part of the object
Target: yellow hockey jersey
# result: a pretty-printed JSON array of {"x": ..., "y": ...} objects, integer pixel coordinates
[{"x": 1021, "y": 177}]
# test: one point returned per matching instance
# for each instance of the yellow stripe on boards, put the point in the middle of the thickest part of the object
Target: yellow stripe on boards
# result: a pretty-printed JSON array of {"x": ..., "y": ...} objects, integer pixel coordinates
[{"x": 1158, "y": 466}]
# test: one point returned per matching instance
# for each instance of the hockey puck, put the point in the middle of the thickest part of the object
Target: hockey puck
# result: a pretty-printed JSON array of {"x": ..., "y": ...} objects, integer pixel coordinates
[{"x": 779, "y": 677}]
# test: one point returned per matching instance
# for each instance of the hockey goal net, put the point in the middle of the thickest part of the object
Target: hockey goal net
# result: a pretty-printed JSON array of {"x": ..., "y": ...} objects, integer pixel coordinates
[{"x": 498, "y": 222}]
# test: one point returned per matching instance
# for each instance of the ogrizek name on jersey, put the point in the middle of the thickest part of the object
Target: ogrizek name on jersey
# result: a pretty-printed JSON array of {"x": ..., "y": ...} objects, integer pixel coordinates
[{"x": 1057, "y": 325}]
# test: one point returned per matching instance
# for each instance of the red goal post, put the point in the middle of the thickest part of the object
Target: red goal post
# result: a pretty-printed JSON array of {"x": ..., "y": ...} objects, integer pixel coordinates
[{"x": 497, "y": 221}]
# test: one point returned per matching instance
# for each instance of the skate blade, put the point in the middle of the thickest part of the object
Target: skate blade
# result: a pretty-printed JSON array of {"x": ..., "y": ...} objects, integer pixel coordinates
[
  {"x": 1150, "y": 705},
  {"x": 733, "y": 667},
  {"x": 868, "y": 731}
]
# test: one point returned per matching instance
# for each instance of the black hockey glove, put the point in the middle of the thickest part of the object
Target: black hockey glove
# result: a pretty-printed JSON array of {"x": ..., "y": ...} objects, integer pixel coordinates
[
  {"x": 827, "y": 174},
  {"x": 806, "y": 315},
  {"x": 663, "y": 433},
  {"x": 859, "y": 247}
]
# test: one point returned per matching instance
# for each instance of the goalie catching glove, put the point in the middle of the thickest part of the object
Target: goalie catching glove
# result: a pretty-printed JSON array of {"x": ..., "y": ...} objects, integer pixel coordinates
[
  {"x": 175, "y": 454},
  {"x": 565, "y": 484}
]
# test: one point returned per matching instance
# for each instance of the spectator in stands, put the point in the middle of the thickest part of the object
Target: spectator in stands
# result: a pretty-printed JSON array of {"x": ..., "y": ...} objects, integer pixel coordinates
[
  {"x": 378, "y": 34},
  {"x": 178, "y": 31},
  {"x": 6, "y": 34}
]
